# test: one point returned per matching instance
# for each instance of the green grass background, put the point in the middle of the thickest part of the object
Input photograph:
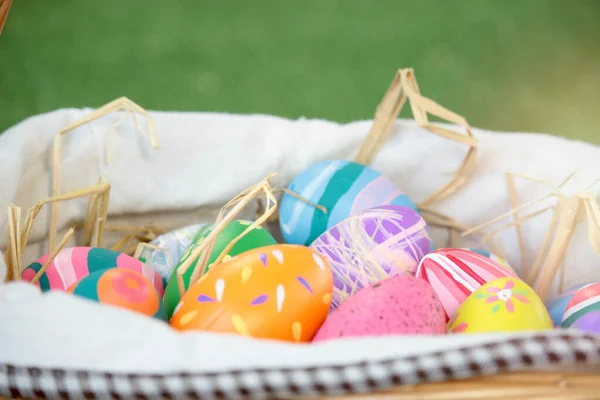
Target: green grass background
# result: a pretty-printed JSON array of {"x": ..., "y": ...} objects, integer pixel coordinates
[{"x": 508, "y": 65}]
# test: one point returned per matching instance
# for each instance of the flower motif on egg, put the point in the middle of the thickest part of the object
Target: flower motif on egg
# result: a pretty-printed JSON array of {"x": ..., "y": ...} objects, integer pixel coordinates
[
  {"x": 460, "y": 328},
  {"x": 506, "y": 294},
  {"x": 502, "y": 305}
]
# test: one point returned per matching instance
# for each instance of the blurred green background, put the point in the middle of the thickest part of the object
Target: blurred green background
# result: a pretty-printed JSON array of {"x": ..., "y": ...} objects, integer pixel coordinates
[{"x": 506, "y": 65}]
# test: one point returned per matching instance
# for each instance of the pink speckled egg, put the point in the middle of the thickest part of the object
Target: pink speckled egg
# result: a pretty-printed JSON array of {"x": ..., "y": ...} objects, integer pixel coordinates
[{"x": 400, "y": 305}]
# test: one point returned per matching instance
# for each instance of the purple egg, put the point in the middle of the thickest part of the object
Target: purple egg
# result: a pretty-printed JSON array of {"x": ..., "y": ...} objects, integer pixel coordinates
[{"x": 373, "y": 245}]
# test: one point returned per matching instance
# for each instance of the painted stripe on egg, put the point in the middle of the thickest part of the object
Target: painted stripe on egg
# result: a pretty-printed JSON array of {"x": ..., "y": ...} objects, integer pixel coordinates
[
  {"x": 296, "y": 210},
  {"x": 345, "y": 180},
  {"x": 98, "y": 259},
  {"x": 345, "y": 187}
]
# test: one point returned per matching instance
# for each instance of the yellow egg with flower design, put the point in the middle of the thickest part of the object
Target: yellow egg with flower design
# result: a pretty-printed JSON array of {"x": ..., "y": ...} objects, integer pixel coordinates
[{"x": 502, "y": 305}]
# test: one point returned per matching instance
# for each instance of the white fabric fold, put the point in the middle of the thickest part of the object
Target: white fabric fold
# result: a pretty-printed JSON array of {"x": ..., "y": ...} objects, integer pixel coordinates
[{"x": 204, "y": 160}]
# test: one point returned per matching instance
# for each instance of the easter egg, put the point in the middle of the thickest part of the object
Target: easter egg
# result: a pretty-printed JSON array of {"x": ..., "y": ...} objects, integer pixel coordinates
[
  {"x": 558, "y": 305},
  {"x": 398, "y": 305},
  {"x": 280, "y": 292},
  {"x": 73, "y": 263},
  {"x": 343, "y": 187},
  {"x": 257, "y": 237},
  {"x": 583, "y": 310},
  {"x": 123, "y": 288},
  {"x": 456, "y": 273},
  {"x": 167, "y": 249},
  {"x": 502, "y": 305},
  {"x": 372, "y": 245},
  {"x": 494, "y": 257}
]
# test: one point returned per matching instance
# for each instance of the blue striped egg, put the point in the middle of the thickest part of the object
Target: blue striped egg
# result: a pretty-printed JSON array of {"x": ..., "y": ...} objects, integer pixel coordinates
[
  {"x": 344, "y": 188},
  {"x": 558, "y": 305}
]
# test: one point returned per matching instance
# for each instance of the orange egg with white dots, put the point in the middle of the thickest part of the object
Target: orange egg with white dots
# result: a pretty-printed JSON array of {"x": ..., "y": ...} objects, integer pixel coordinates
[{"x": 280, "y": 292}]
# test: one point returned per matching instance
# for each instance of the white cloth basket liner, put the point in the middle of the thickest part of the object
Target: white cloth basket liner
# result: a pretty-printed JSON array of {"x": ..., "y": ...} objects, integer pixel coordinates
[{"x": 54, "y": 345}]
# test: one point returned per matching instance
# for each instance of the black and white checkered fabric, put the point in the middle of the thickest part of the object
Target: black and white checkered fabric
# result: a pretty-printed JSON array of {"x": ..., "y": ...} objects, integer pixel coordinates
[{"x": 566, "y": 350}]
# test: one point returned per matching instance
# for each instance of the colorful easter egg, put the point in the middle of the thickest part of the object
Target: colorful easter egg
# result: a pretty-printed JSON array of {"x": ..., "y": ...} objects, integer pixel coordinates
[
  {"x": 257, "y": 237},
  {"x": 167, "y": 249},
  {"x": 502, "y": 305},
  {"x": 123, "y": 288},
  {"x": 280, "y": 292},
  {"x": 558, "y": 305},
  {"x": 74, "y": 263},
  {"x": 583, "y": 310},
  {"x": 344, "y": 188},
  {"x": 494, "y": 257},
  {"x": 372, "y": 245},
  {"x": 456, "y": 273},
  {"x": 398, "y": 305}
]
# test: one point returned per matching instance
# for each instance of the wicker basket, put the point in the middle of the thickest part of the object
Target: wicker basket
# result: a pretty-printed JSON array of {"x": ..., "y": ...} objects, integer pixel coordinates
[
  {"x": 489, "y": 381},
  {"x": 565, "y": 365},
  {"x": 4, "y": 9}
]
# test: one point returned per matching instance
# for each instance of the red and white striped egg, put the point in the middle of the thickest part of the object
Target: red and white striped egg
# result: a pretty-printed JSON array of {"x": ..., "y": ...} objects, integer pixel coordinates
[
  {"x": 456, "y": 273},
  {"x": 583, "y": 310}
]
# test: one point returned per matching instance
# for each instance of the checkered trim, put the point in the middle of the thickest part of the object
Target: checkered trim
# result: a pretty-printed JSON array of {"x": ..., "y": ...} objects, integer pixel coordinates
[{"x": 563, "y": 350}]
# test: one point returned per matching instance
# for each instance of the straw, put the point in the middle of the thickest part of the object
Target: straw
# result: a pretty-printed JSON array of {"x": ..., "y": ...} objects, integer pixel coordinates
[
  {"x": 143, "y": 246},
  {"x": 4, "y": 10},
  {"x": 123, "y": 104},
  {"x": 275, "y": 217},
  {"x": 404, "y": 87},
  {"x": 512, "y": 195},
  {"x": 141, "y": 235},
  {"x": 122, "y": 242},
  {"x": 9, "y": 273},
  {"x": 302, "y": 199},
  {"x": 18, "y": 237},
  {"x": 102, "y": 187},
  {"x": 148, "y": 260},
  {"x": 14, "y": 251},
  {"x": 238, "y": 203},
  {"x": 60, "y": 246},
  {"x": 568, "y": 213},
  {"x": 149, "y": 229}
]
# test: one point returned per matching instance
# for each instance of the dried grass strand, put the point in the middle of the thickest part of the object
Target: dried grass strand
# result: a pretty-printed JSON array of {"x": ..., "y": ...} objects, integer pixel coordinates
[
  {"x": 302, "y": 199},
  {"x": 53, "y": 255},
  {"x": 404, "y": 87},
  {"x": 101, "y": 187},
  {"x": 14, "y": 229},
  {"x": 512, "y": 196},
  {"x": 4, "y": 10},
  {"x": 204, "y": 250},
  {"x": 142, "y": 246},
  {"x": 121, "y": 103},
  {"x": 568, "y": 213}
]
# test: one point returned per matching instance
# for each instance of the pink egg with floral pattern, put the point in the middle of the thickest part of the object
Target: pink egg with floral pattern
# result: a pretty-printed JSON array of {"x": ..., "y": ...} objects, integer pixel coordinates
[
  {"x": 74, "y": 263},
  {"x": 456, "y": 273}
]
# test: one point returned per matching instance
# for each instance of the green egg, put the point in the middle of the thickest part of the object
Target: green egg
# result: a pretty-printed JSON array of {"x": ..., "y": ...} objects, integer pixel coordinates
[{"x": 257, "y": 237}]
